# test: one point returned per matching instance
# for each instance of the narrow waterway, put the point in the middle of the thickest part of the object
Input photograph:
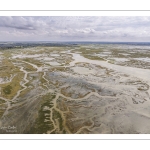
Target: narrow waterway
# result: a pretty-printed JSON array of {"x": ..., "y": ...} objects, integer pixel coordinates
[{"x": 143, "y": 74}]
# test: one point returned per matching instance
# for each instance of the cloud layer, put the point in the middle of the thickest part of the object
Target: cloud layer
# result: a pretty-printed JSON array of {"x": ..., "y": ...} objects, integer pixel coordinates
[{"x": 75, "y": 29}]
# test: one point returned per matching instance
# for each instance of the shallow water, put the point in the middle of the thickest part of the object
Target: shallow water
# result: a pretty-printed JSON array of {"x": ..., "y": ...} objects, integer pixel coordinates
[
  {"x": 121, "y": 59},
  {"x": 107, "y": 52},
  {"x": 137, "y": 72},
  {"x": 55, "y": 55},
  {"x": 82, "y": 70},
  {"x": 53, "y": 63},
  {"x": 1, "y": 80},
  {"x": 143, "y": 59},
  {"x": 27, "y": 56},
  {"x": 47, "y": 58},
  {"x": 101, "y": 55},
  {"x": 124, "y": 54}
]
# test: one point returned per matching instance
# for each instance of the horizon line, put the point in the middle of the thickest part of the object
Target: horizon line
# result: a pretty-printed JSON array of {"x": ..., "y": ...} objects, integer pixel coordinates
[{"x": 85, "y": 41}]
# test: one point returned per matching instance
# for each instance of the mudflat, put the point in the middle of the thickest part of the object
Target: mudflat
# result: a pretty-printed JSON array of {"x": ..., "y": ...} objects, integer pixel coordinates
[{"x": 82, "y": 88}]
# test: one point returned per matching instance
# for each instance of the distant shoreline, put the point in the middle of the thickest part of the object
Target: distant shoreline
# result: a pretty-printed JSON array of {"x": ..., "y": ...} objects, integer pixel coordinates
[{"x": 19, "y": 44}]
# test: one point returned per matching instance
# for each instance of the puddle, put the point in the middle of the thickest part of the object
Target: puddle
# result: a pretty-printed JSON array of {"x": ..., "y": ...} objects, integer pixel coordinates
[
  {"x": 63, "y": 52},
  {"x": 1, "y": 80},
  {"x": 103, "y": 55},
  {"x": 27, "y": 56},
  {"x": 106, "y": 52},
  {"x": 47, "y": 58},
  {"x": 56, "y": 55},
  {"x": 82, "y": 70},
  {"x": 132, "y": 52},
  {"x": 78, "y": 52},
  {"x": 1, "y": 58},
  {"x": 121, "y": 59},
  {"x": 143, "y": 59},
  {"x": 124, "y": 54},
  {"x": 53, "y": 63}
]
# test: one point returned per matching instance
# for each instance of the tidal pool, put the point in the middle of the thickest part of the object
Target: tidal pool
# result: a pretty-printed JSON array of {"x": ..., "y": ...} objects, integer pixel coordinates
[
  {"x": 82, "y": 70},
  {"x": 55, "y": 55},
  {"x": 47, "y": 58},
  {"x": 53, "y": 63},
  {"x": 27, "y": 56},
  {"x": 121, "y": 59},
  {"x": 143, "y": 59}
]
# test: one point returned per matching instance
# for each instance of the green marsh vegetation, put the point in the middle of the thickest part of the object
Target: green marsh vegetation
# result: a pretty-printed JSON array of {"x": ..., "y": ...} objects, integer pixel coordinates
[{"x": 43, "y": 123}]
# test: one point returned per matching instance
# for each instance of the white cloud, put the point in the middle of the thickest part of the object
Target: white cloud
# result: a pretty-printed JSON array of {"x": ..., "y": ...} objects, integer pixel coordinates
[{"x": 75, "y": 28}]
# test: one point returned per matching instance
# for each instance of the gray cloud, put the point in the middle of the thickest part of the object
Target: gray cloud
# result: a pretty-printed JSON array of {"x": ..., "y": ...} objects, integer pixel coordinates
[{"x": 60, "y": 28}]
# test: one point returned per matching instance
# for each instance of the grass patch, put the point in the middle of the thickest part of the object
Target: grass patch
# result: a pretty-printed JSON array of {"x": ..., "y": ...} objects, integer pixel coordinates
[
  {"x": 89, "y": 53},
  {"x": 9, "y": 90},
  {"x": 1, "y": 101},
  {"x": 56, "y": 115},
  {"x": 29, "y": 68},
  {"x": 2, "y": 107},
  {"x": 1, "y": 112},
  {"x": 40, "y": 126},
  {"x": 93, "y": 57},
  {"x": 33, "y": 61}
]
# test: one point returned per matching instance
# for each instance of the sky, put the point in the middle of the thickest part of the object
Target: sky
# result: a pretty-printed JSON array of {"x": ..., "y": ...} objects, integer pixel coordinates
[{"x": 75, "y": 28}]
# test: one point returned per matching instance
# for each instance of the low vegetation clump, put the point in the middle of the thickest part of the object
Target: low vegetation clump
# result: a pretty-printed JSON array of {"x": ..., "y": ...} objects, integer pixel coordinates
[
  {"x": 43, "y": 122},
  {"x": 7, "y": 89}
]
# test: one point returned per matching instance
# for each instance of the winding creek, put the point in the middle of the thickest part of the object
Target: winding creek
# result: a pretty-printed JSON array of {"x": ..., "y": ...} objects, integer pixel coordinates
[{"x": 143, "y": 74}]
